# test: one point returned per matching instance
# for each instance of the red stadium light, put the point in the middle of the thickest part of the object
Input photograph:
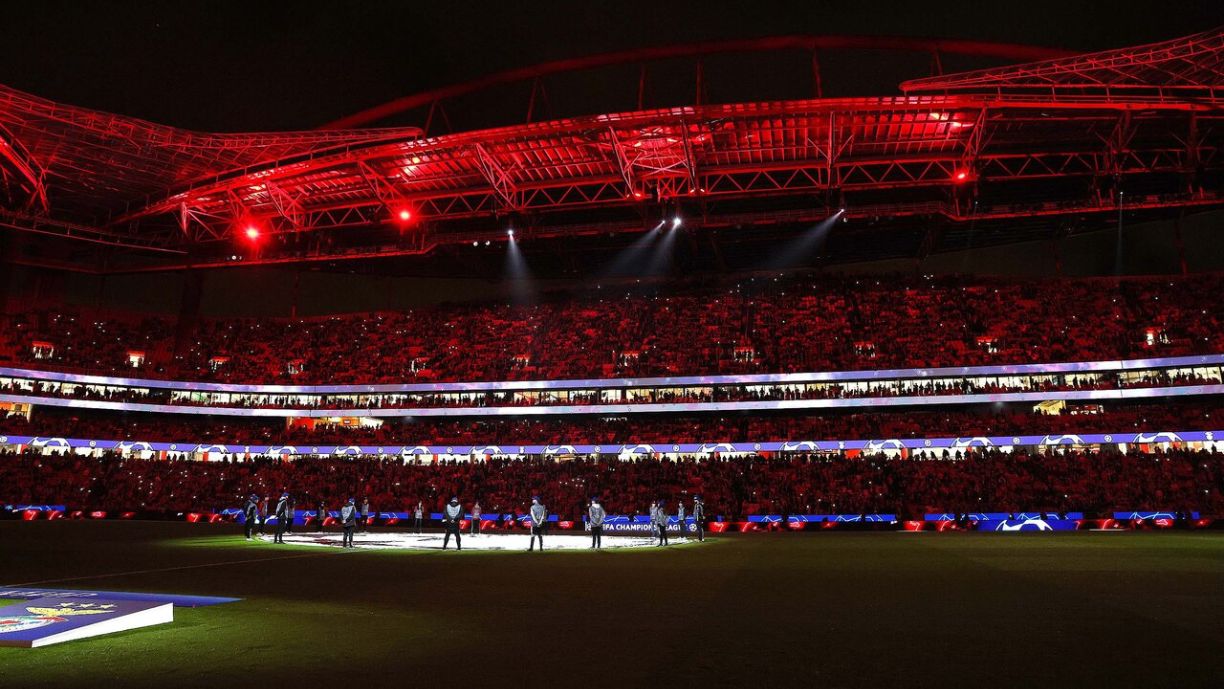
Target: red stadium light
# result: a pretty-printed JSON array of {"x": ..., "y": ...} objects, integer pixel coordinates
[
  {"x": 404, "y": 215},
  {"x": 252, "y": 233},
  {"x": 961, "y": 175}
]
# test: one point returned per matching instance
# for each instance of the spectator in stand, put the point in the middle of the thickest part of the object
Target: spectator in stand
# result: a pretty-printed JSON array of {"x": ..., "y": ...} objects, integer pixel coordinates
[
  {"x": 799, "y": 322},
  {"x": 1056, "y": 480}
]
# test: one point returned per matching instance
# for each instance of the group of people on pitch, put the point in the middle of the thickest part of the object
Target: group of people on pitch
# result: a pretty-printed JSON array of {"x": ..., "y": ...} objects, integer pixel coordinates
[
  {"x": 255, "y": 515},
  {"x": 659, "y": 519},
  {"x": 452, "y": 518}
]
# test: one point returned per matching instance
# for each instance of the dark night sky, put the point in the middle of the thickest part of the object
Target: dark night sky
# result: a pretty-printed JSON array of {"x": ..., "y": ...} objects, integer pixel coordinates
[{"x": 230, "y": 66}]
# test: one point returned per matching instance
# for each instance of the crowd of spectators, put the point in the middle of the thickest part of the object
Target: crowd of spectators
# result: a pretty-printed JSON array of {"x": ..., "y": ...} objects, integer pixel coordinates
[
  {"x": 797, "y": 484},
  {"x": 775, "y": 324},
  {"x": 913, "y": 387},
  {"x": 1186, "y": 415}
]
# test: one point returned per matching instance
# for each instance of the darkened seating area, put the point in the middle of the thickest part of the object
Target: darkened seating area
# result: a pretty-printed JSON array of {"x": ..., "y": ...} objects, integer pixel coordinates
[
  {"x": 1058, "y": 481},
  {"x": 750, "y": 325}
]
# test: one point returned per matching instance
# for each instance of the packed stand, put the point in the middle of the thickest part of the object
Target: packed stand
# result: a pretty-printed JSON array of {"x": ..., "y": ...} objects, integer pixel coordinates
[
  {"x": 1192, "y": 415},
  {"x": 756, "y": 325},
  {"x": 802, "y": 484}
]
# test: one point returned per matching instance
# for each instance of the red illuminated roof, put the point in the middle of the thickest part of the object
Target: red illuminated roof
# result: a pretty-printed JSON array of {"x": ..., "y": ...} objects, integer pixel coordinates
[{"x": 981, "y": 144}]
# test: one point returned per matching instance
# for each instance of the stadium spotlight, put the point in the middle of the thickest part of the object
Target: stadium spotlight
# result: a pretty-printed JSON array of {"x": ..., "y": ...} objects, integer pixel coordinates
[
  {"x": 961, "y": 175},
  {"x": 252, "y": 233},
  {"x": 675, "y": 223},
  {"x": 510, "y": 233},
  {"x": 404, "y": 215}
]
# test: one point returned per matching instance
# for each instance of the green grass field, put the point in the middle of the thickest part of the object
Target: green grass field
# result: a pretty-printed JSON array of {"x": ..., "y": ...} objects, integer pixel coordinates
[{"x": 768, "y": 610}]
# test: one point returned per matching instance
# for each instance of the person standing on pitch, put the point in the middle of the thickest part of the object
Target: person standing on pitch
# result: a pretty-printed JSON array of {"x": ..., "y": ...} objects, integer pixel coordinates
[
  {"x": 539, "y": 517},
  {"x": 348, "y": 519},
  {"x": 698, "y": 516},
  {"x": 417, "y": 514},
  {"x": 365, "y": 513},
  {"x": 661, "y": 516},
  {"x": 320, "y": 516},
  {"x": 263, "y": 513},
  {"x": 654, "y": 519},
  {"x": 476, "y": 519},
  {"x": 282, "y": 516},
  {"x": 680, "y": 517},
  {"x": 597, "y": 515},
  {"x": 250, "y": 513},
  {"x": 451, "y": 514}
]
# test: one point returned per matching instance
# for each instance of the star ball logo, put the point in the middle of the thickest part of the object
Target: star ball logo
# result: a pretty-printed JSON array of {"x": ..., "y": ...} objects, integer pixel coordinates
[{"x": 41, "y": 617}]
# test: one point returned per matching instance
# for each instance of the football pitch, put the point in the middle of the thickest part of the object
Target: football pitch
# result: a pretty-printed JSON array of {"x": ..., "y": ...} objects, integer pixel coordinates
[{"x": 1037, "y": 610}]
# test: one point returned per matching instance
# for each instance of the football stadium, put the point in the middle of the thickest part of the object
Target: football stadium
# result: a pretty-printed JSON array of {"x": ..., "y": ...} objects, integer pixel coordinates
[{"x": 612, "y": 344}]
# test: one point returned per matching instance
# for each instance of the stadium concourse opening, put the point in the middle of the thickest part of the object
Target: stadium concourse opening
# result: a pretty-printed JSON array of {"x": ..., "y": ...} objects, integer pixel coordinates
[{"x": 612, "y": 345}]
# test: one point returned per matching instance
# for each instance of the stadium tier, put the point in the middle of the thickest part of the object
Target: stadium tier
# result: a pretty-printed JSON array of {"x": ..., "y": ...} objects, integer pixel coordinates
[
  {"x": 1070, "y": 481},
  {"x": 774, "y": 324},
  {"x": 191, "y": 431}
]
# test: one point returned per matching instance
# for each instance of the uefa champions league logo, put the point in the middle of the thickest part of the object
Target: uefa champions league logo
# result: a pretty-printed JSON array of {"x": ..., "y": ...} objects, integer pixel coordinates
[
  {"x": 962, "y": 443},
  {"x": 891, "y": 445},
  {"x": 1161, "y": 437},
  {"x": 487, "y": 450},
  {"x": 635, "y": 450},
  {"x": 559, "y": 450},
  {"x": 51, "y": 443},
  {"x": 348, "y": 451},
  {"x": 1062, "y": 440},
  {"x": 133, "y": 446},
  {"x": 1030, "y": 524},
  {"x": 716, "y": 447},
  {"x": 799, "y": 446}
]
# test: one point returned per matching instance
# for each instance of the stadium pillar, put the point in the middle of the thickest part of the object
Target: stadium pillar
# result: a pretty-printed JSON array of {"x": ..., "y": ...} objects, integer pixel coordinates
[
  {"x": 296, "y": 294},
  {"x": 1177, "y": 241},
  {"x": 189, "y": 314},
  {"x": 6, "y": 269}
]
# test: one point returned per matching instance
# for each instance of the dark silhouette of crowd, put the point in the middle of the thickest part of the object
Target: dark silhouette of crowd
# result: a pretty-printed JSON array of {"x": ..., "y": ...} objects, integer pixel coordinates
[
  {"x": 787, "y": 484},
  {"x": 1185, "y": 415},
  {"x": 703, "y": 326}
]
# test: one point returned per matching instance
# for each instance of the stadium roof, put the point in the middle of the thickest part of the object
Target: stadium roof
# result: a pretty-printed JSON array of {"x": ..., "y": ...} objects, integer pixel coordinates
[{"x": 1055, "y": 137}]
